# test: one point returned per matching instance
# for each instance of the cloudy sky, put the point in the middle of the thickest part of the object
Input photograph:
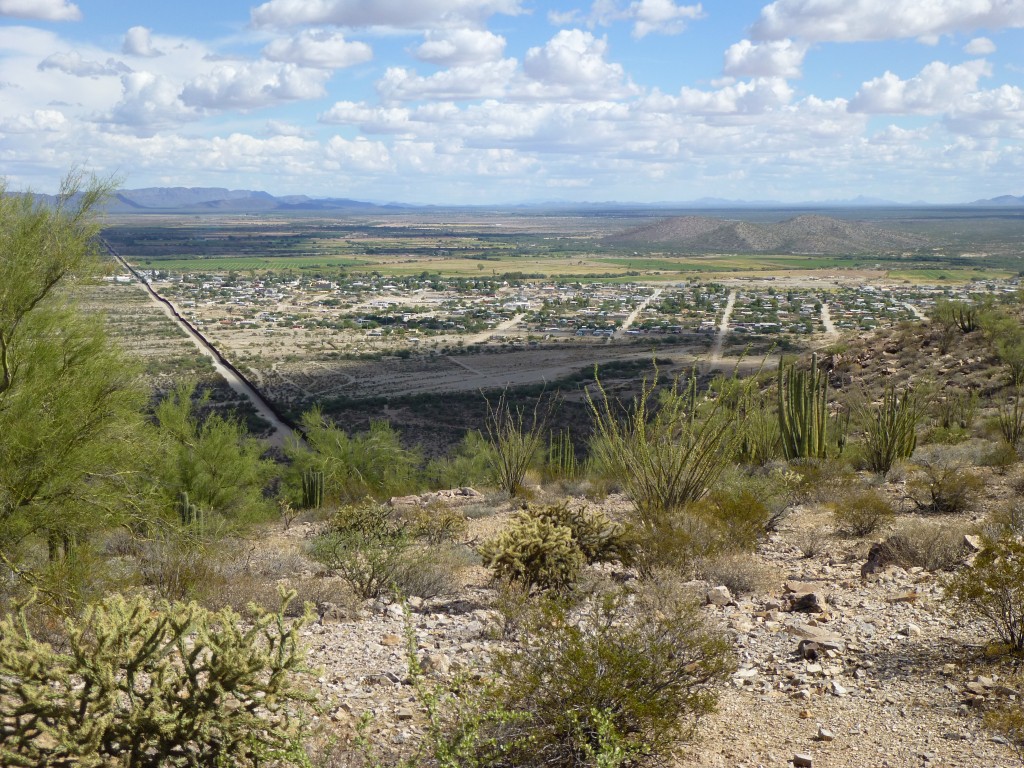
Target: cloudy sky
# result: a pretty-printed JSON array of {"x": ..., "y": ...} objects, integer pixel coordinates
[{"x": 480, "y": 101}]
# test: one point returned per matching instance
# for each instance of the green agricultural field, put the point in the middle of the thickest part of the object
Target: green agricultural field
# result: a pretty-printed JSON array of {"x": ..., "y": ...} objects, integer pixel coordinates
[{"x": 246, "y": 263}]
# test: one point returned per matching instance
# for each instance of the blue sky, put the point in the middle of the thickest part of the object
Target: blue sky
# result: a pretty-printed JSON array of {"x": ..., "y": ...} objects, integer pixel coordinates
[{"x": 494, "y": 101}]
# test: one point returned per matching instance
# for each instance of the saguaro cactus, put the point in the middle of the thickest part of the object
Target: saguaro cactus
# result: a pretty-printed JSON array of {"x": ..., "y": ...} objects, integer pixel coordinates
[
  {"x": 312, "y": 489},
  {"x": 802, "y": 411}
]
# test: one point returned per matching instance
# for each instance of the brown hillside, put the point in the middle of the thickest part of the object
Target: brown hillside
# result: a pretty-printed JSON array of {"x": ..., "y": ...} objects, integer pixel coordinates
[{"x": 801, "y": 234}]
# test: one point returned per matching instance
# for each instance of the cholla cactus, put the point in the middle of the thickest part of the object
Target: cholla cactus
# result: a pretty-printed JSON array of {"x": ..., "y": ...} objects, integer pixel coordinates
[
  {"x": 600, "y": 539},
  {"x": 535, "y": 551},
  {"x": 143, "y": 685}
]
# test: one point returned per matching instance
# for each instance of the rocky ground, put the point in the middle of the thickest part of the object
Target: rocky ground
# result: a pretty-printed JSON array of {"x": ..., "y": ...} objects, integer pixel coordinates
[{"x": 834, "y": 670}]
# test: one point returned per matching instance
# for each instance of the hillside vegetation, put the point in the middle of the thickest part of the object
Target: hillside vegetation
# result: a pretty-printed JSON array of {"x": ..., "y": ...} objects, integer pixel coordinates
[
  {"x": 802, "y": 234},
  {"x": 821, "y": 558}
]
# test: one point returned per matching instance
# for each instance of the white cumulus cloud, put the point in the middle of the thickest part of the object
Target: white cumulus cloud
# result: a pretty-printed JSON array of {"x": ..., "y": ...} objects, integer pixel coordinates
[
  {"x": 43, "y": 10},
  {"x": 749, "y": 97},
  {"x": 319, "y": 48},
  {"x": 489, "y": 79},
  {"x": 72, "y": 63},
  {"x": 575, "y": 60},
  {"x": 662, "y": 16},
  {"x": 402, "y": 14},
  {"x": 138, "y": 41},
  {"x": 852, "y": 20},
  {"x": 935, "y": 89},
  {"x": 252, "y": 84},
  {"x": 980, "y": 46},
  {"x": 149, "y": 101},
  {"x": 460, "y": 46},
  {"x": 776, "y": 58}
]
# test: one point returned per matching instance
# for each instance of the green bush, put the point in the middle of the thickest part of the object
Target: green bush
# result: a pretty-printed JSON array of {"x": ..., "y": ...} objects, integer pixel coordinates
[
  {"x": 608, "y": 687},
  {"x": 437, "y": 523},
  {"x": 373, "y": 552},
  {"x": 993, "y": 590},
  {"x": 372, "y": 463},
  {"x": 535, "y": 551},
  {"x": 146, "y": 685},
  {"x": 863, "y": 512},
  {"x": 943, "y": 484},
  {"x": 470, "y": 464}
]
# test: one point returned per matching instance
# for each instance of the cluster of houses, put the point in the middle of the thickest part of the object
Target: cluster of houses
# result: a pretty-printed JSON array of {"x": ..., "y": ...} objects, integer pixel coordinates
[{"x": 373, "y": 308}]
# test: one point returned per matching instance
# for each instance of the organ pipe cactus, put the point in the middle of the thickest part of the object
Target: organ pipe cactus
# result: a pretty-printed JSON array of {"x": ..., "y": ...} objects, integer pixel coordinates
[
  {"x": 187, "y": 512},
  {"x": 312, "y": 489},
  {"x": 803, "y": 421}
]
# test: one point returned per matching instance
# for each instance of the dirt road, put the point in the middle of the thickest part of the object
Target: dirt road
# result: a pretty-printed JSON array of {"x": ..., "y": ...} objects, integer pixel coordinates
[
  {"x": 282, "y": 432},
  {"x": 723, "y": 328}
]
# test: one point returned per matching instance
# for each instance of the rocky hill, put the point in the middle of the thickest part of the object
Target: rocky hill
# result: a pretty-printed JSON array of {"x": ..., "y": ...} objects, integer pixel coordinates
[{"x": 801, "y": 234}]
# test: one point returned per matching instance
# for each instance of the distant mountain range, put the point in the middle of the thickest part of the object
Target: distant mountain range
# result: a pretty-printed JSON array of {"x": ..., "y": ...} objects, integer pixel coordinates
[
  {"x": 221, "y": 200},
  {"x": 801, "y": 234},
  {"x": 1003, "y": 201}
]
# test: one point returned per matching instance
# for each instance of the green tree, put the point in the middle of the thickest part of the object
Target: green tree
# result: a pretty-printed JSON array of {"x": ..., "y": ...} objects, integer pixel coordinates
[
  {"x": 69, "y": 399},
  {"x": 372, "y": 463},
  {"x": 213, "y": 460}
]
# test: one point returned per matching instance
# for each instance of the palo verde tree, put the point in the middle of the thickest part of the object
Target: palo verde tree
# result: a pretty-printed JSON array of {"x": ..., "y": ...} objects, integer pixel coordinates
[
  {"x": 210, "y": 464},
  {"x": 69, "y": 399}
]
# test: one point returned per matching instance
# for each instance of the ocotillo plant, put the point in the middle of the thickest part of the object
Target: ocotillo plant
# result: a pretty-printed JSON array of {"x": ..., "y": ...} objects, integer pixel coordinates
[
  {"x": 802, "y": 411},
  {"x": 312, "y": 489},
  {"x": 891, "y": 431},
  {"x": 188, "y": 513}
]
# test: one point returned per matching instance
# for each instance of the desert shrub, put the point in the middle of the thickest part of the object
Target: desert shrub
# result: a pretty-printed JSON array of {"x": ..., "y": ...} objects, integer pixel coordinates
[
  {"x": 437, "y": 523},
  {"x": 534, "y": 551},
  {"x": 372, "y": 551},
  {"x": 1006, "y": 718},
  {"x": 606, "y": 687},
  {"x": 993, "y": 590},
  {"x": 926, "y": 544},
  {"x": 470, "y": 464},
  {"x": 742, "y": 573},
  {"x": 151, "y": 685},
  {"x": 1007, "y": 520},
  {"x": 943, "y": 484},
  {"x": 862, "y": 513},
  {"x": 811, "y": 542},
  {"x": 761, "y": 441},
  {"x": 956, "y": 409},
  {"x": 178, "y": 567},
  {"x": 1000, "y": 456},
  {"x": 722, "y": 522},
  {"x": 819, "y": 480},
  {"x": 373, "y": 463},
  {"x": 1010, "y": 418}
]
